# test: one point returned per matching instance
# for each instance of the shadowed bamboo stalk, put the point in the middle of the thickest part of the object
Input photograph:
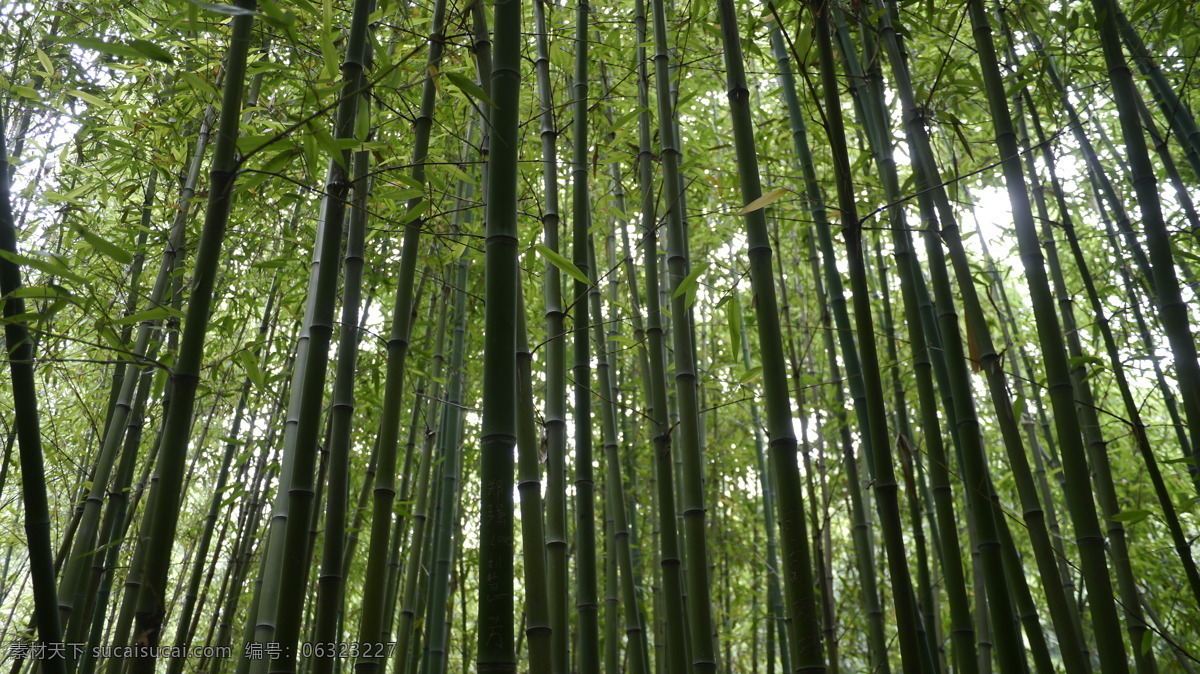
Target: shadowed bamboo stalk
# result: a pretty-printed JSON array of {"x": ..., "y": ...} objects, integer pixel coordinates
[
  {"x": 1172, "y": 310},
  {"x": 688, "y": 440},
  {"x": 498, "y": 434},
  {"x": 673, "y": 627},
  {"x": 19, "y": 348},
  {"x": 1141, "y": 440},
  {"x": 529, "y": 486},
  {"x": 826, "y": 267},
  {"x": 874, "y": 109},
  {"x": 449, "y": 499},
  {"x": 614, "y": 491},
  {"x": 969, "y": 442},
  {"x": 164, "y": 519},
  {"x": 555, "y": 424},
  {"x": 587, "y": 605},
  {"x": 797, "y": 570},
  {"x": 1080, "y": 501},
  {"x": 374, "y": 621},
  {"x": 886, "y": 487},
  {"x": 1175, "y": 111},
  {"x": 421, "y": 494}
]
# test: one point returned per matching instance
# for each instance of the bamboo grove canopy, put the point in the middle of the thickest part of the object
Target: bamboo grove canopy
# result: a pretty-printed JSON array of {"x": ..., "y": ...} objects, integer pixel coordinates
[{"x": 650, "y": 336}]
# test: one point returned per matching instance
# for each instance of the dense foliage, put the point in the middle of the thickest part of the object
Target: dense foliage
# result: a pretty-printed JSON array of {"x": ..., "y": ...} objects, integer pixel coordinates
[{"x": 654, "y": 336}]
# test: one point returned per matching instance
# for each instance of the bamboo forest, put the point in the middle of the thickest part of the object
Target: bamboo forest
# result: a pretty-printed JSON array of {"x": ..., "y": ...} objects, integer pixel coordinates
[{"x": 568, "y": 337}]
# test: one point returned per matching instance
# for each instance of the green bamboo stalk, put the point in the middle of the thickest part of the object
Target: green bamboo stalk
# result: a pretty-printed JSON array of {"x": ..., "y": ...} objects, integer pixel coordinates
[
  {"x": 691, "y": 493},
  {"x": 615, "y": 491},
  {"x": 1163, "y": 150},
  {"x": 302, "y": 497},
  {"x": 186, "y": 377},
  {"x": 420, "y": 513},
  {"x": 969, "y": 442},
  {"x": 1174, "y": 110},
  {"x": 384, "y": 494},
  {"x": 498, "y": 434},
  {"x": 19, "y": 347},
  {"x": 1132, "y": 409},
  {"x": 451, "y": 465},
  {"x": 873, "y": 110},
  {"x": 556, "y": 392},
  {"x": 1172, "y": 311},
  {"x": 1096, "y": 445},
  {"x": 777, "y": 616},
  {"x": 622, "y": 400},
  {"x": 674, "y": 629},
  {"x": 1079, "y": 494},
  {"x": 808, "y": 654},
  {"x": 331, "y": 581},
  {"x": 832, "y": 280},
  {"x": 586, "y": 600},
  {"x": 71, "y": 586},
  {"x": 886, "y": 488},
  {"x": 529, "y": 486},
  {"x": 1092, "y": 158}
]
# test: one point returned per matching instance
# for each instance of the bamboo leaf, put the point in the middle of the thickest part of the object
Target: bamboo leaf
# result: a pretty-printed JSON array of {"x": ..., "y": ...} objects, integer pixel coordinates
[
  {"x": 88, "y": 98},
  {"x": 764, "y": 201},
  {"x": 227, "y": 10},
  {"x": 750, "y": 374},
  {"x": 155, "y": 314},
  {"x": 27, "y": 92},
  {"x": 110, "y": 48},
  {"x": 733, "y": 316},
  {"x": 1131, "y": 516},
  {"x": 105, "y": 247},
  {"x": 469, "y": 87},
  {"x": 152, "y": 51},
  {"x": 47, "y": 263},
  {"x": 562, "y": 263},
  {"x": 690, "y": 282},
  {"x": 623, "y": 340}
]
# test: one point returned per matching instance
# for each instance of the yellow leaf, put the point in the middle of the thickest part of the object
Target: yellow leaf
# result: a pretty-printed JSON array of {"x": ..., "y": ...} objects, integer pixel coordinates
[{"x": 764, "y": 201}]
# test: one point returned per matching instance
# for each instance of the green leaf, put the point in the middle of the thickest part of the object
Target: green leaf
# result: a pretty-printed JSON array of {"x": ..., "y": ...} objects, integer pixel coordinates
[
  {"x": 469, "y": 87},
  {"x": 690, "y": 283},
  {"x": 764, "y": 201},
  {"x": 251, "y": 367},
  {"x": 733, "y": 316},
  {"x": 1131, "y": 516},
  {"x": 89, "y": 99},
  {"x": 105, "y": 247},
  {"x": 200, "y": 84},
  {"x": 41, "y": 292},
  {"x": 623, "y": 340},
  {"x": 277, "y": 263},
  {"x": 750, "y": 374},
  {"x": 227, "y": 10},
  {"x": 27, "y": 92},
  {"x": 46, "y": 263},
  {"x": 624, "y": 119},
  {"x": 562, "y": 263},
  {"x": 110, "y": 48},
  {"x": 152, "y": 51},
  {"x": 415, "y": 212},
  {"x": 155, "y": 314},
  {"x": 1080, "y": 361},
  {"x": 1182, "y": 459}
]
